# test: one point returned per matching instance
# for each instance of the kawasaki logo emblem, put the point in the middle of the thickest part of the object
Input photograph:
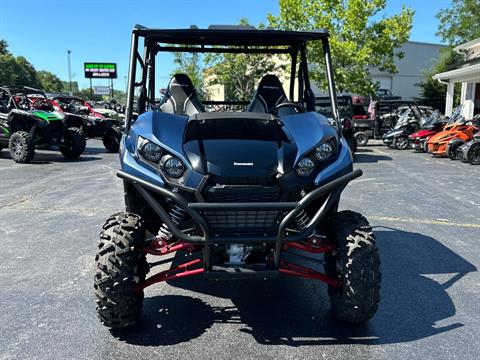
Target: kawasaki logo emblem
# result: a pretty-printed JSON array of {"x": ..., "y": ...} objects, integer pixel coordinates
[{"x": 243, "y": 163}]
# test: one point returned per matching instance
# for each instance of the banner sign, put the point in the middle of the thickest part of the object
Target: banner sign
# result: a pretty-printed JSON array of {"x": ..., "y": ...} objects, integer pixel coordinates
[
  {"x": 101, "y": 90},
  {"x": 100, "y": 70}
]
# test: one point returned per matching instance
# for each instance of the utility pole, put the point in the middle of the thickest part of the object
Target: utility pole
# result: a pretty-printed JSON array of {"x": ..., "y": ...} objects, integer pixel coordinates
[{"x": 69, "y": 72}]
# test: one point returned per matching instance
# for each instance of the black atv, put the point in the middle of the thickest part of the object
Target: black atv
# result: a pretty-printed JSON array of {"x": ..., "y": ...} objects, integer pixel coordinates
[
  {"x": 29, "y": 120},
  {"x": 237, "y": 195},
  {"x": 94, "y": 124}
]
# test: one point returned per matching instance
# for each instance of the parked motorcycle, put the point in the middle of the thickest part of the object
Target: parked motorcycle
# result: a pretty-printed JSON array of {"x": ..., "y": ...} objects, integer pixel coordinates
[
  {"x": 431, "y": 126},
  {"x": 397, "y": 138}
]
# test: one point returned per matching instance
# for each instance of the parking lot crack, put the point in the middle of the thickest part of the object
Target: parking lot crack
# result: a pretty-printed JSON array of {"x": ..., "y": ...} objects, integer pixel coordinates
[{"x": 23, "y": 200}]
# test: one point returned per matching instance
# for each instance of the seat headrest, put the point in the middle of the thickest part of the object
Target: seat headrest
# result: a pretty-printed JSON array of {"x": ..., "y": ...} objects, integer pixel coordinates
[
  {"x": 181, "y": 97},
  {"x": 269, "y": 94}
]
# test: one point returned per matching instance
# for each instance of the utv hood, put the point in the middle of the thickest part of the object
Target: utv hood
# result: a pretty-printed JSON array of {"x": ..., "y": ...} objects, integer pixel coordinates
[
  {"x": 45, "y": 115},
  {"x": 238, "y": 145}
]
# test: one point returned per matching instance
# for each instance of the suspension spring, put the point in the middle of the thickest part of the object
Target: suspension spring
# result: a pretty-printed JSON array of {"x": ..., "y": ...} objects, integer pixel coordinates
[
  {"x": 301, "y": 220},
  {"x": 177, "y": 214}
]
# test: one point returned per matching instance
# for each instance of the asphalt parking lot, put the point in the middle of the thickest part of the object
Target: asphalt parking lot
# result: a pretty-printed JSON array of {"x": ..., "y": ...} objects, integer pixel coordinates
[{"x": 426, "y": 214}]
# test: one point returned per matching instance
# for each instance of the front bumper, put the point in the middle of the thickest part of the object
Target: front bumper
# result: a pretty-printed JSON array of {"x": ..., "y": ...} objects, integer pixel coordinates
[{"x": 330, "y": 191}]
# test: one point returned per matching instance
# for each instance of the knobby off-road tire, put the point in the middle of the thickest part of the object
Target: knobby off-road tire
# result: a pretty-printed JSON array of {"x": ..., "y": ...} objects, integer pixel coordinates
[
  {"x": 22, "y": 148},
  {"x": 120, "y": 265},
  {"x": 111, "y": 139},
  {"x": 73, "y": 143},
  {"x": 452, "y": 148},
  {"x": 356, "y": 264}
]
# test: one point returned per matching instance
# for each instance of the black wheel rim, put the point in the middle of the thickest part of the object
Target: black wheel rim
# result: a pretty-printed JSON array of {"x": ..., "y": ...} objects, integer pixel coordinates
[
  {"x": 475, "y": 155},
  {"x": 361, "y": 139},
  {"x": 402, "y": 143},
  {"x": 17, "y": 148},
  {"x": 67, "y": 142}
]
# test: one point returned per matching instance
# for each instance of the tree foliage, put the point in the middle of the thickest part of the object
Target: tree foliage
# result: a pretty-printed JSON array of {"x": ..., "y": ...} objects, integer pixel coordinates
[
  {"x": 459, "y": 22},
  {"x": 359, "y": 38},
  {"x": 240, "y": 73},
  {"x": 15, "y": 70},
  {"x": 49, "y": 82}
]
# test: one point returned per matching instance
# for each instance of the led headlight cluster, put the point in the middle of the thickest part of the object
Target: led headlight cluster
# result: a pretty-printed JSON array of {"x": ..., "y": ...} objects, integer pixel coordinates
[
  {"x": 151, "y": 152},
  {"x": 307, "y": 164},
  {"x": 170, "y": 165},
  {"x": 173, "y": 167},
  {"x": 324, "y": 152}
]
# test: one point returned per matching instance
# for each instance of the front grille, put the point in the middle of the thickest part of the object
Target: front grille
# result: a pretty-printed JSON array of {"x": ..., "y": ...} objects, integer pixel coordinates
[
  {"x": 239, "y": 193},
  {"x": 243, "y": 221}
]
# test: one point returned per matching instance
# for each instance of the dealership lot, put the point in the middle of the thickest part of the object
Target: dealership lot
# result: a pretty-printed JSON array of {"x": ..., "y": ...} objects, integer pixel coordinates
[{"x": 426, "y": 213}]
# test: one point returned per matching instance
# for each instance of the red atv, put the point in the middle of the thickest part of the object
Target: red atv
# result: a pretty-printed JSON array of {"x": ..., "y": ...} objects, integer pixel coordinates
[{"x": 432, "y": 125}]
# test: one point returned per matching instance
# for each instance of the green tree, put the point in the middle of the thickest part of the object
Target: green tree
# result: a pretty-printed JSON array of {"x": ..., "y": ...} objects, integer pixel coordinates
[
  {"x": 240, "y": 73},
  {"x": 3, "y": 47},
  {"x": 49, "y": 82},
  {"x": 15, "y": 70},
  {"x": 359, "y": 38},
  {"x": 459, "y": 22},
  {"x": 24, "y": 74},
  {"x": 66, "y": 86},
  {"x": 433, "y": 93}
]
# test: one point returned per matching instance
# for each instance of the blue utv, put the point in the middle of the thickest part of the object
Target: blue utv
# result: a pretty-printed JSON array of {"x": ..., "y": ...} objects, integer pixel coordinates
[{"x": 237, "y": 191}]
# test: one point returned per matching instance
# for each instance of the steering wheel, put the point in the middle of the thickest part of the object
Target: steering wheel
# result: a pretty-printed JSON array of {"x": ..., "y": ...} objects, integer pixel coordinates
[{"x": 296, "y": 106}]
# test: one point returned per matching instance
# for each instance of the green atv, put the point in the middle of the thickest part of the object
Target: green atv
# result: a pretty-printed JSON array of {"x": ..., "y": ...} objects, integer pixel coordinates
[{"x": 28, "y": 120}]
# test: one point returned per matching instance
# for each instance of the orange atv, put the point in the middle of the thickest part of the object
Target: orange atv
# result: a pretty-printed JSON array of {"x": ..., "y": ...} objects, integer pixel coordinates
[{"x": 446, "y": 142}]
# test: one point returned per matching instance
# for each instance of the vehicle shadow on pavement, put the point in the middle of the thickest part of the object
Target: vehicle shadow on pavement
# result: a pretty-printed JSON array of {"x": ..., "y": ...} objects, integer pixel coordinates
[
  {"x": 296, "y": 312},
  {"x": 361, "y": 157},
  {"x": 50, "y": 157}
]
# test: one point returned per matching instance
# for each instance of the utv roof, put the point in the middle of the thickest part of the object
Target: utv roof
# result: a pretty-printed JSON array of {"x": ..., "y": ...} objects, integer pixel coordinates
[
  {"x": 229, "y": 35},
  {"x": 21, "y": 88}
]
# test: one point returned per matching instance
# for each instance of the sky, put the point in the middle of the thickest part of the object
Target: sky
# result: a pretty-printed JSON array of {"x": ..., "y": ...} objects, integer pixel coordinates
[{"x": 99, "y": 30}]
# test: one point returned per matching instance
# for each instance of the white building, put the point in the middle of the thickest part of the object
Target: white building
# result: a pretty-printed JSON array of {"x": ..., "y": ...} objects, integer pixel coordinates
[
  {"x": 467, "y": 74},
  {"x": 418, "y": 56}
]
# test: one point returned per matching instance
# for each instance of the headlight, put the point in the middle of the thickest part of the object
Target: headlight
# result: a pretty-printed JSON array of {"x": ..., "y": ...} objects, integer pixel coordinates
[
  {"x": 324, "y": 151},
  {"x": 151, "y": 152},
  {"x": 174, "y": 167},
  {"x": 305, "y": 166}
]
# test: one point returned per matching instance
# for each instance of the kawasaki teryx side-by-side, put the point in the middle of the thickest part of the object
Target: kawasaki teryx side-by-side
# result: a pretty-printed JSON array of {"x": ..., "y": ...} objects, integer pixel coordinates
[
  {"x": 95, "y": 125},
  {"x": 28, "y": 120},
  {"x": 238, "y": 195}
]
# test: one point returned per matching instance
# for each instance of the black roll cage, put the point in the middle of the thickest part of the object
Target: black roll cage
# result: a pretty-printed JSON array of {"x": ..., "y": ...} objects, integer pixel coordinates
[
  {"x": 24, "y": 90},
  {"x": 226, "y": 39}
]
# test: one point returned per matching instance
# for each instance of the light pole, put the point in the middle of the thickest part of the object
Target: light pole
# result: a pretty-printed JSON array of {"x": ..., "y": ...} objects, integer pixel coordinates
[{"x": 69, "y": 72}]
